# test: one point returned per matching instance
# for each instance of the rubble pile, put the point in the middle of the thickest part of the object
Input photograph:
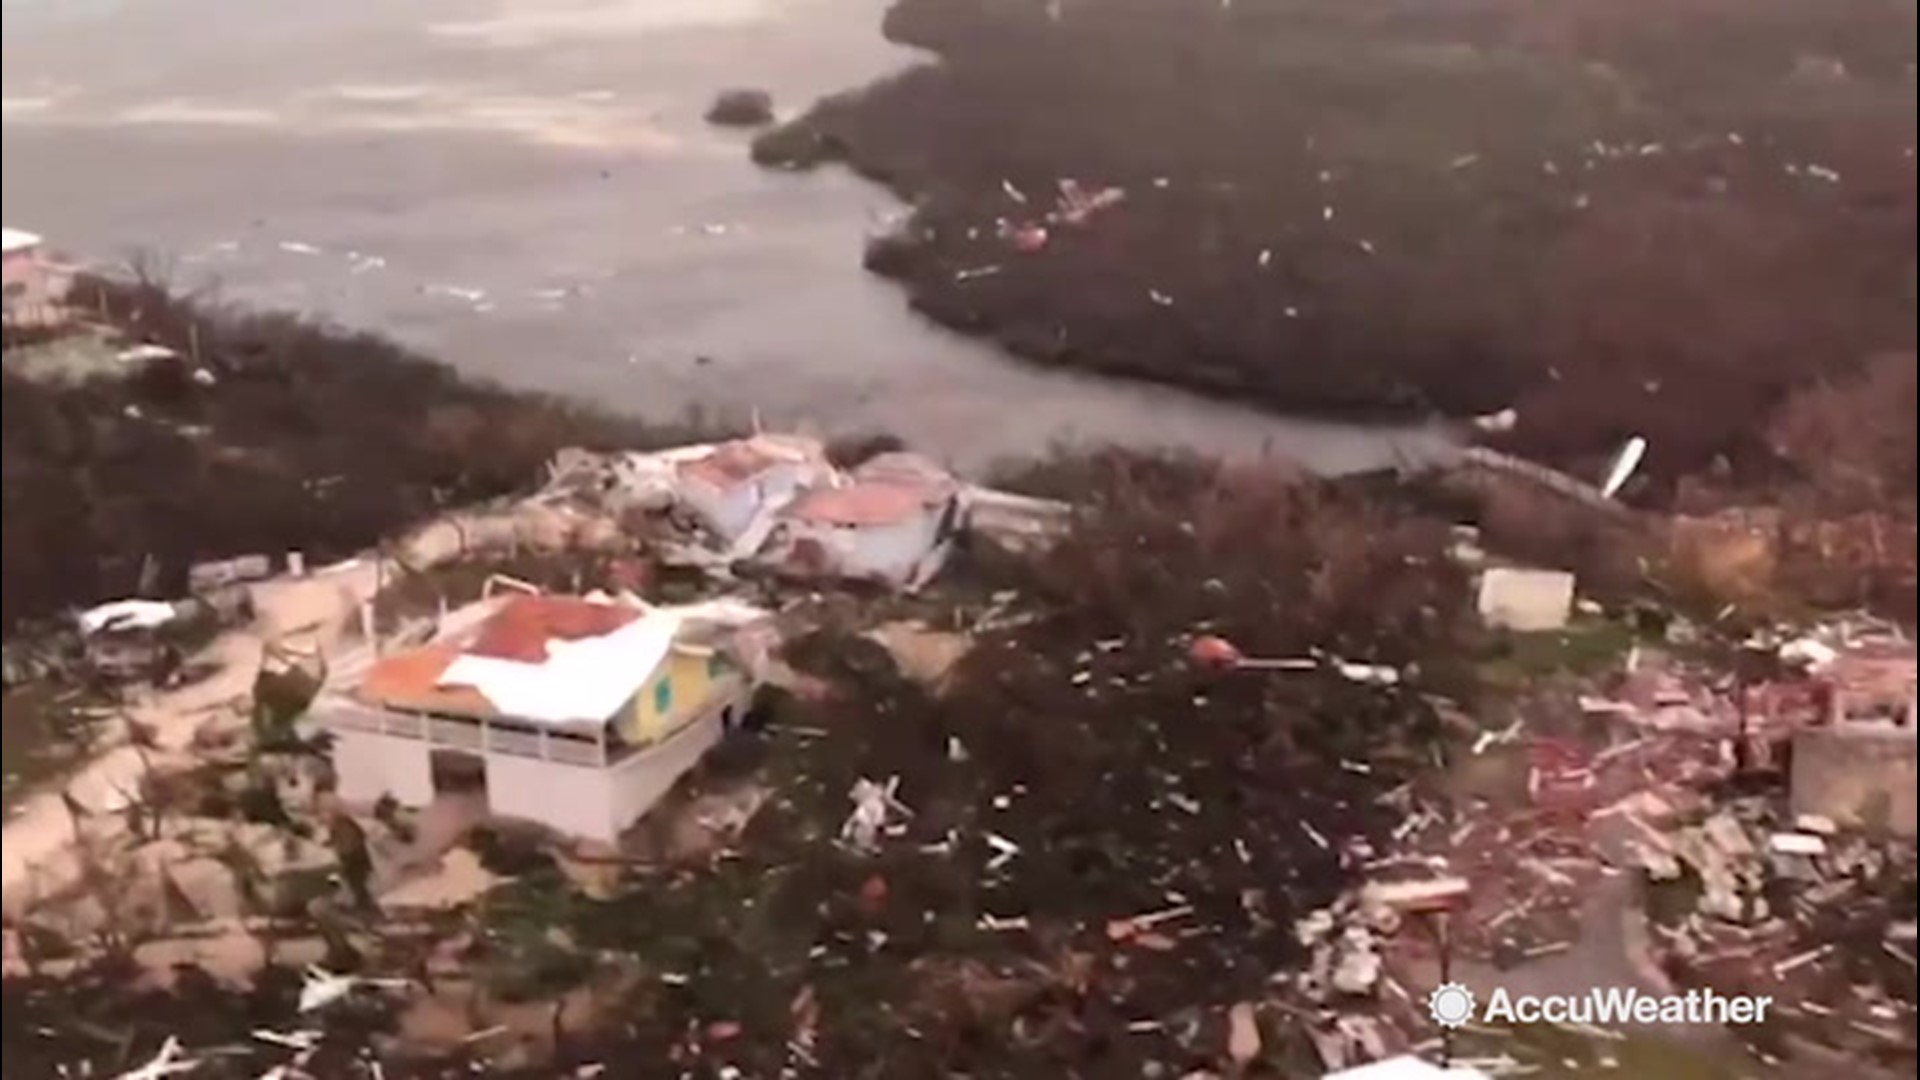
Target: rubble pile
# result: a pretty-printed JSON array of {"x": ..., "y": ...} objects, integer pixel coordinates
[
  {"x": 1666, "y": 785},
  {"x": 1790, "y": 907}
]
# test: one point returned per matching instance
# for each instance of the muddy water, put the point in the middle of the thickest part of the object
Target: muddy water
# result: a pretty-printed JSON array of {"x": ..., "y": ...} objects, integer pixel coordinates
[{"x": 525, "y": 188}]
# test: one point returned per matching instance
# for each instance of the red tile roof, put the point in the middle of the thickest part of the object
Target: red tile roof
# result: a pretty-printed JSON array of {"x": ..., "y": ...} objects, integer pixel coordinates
[
  {"x": 408, "y": 680},
  {"x": 521, "y": 629},
  {"x": 862, "y": 504}
]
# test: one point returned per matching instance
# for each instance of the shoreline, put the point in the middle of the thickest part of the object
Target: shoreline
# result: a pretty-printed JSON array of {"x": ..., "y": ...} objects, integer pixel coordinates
[
  {"x": 648, "y": 265},
  {"x": 1414, "y": 270}
]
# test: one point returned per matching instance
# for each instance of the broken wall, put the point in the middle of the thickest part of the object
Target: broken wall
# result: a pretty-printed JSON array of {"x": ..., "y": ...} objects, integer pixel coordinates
[{"x": 1860, "y": 774}]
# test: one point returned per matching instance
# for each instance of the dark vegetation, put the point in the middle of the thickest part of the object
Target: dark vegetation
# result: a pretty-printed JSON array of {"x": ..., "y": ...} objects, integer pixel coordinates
[
  {"x": 741, "y": 108},
  {"x": 1078, "y": 730},
  {"x": 305, "y": 438},
  {"x": 1617, "y": 217}
]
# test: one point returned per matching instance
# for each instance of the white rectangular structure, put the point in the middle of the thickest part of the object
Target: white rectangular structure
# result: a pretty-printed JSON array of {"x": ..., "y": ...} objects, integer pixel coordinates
[{"x": 1525, "y": 600}]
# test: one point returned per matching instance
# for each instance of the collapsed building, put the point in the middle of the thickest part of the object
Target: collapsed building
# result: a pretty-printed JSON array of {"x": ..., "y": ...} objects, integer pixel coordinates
[
  {"x": 775, "y": 501},
  {"x": 895, "y": 521}
]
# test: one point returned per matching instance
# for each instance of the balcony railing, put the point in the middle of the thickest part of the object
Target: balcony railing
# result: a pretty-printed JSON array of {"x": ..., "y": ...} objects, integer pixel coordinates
[{"x": 471, "y": 735}]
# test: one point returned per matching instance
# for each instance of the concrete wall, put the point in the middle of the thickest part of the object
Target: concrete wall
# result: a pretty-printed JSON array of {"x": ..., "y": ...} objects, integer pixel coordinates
[
  {"x": 636, "y": 783},
  {"x": 590, "y": 802},
  {"x": 368, "y": 765},
  {"x": 574, "y": 799},
  {"x": 1846, "y": 771},
  {"x": 597, "y": 804}
]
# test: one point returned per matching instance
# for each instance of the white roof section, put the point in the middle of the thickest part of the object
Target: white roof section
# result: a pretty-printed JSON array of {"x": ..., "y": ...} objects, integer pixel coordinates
[
  {"x": 127, "y": 615},
  {"x": 584, "y": 680},
  {"x": 12, "y": 240},
  {"x": 588, "y": 679},
  {"x": 1407, "y": 1067}
]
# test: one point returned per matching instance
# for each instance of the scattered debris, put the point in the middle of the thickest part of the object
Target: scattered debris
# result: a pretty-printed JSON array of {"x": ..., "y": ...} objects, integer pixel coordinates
[
  {"x": 322, "y": 988},
  {"x": 167, "y": 1062},
  {"x": 876, "y": 810},
  {"x": 1796, "y": 844},
  {"x": 1076, "y": 205},
  {"x": 1625, "y": 464},
  {"x": 1498, "y": 423}
]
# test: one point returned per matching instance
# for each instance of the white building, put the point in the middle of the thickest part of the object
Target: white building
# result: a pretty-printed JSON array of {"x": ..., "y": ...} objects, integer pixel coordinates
[
  {"x": 576, "y": 714},
  {"x": 34, "y": 291}
]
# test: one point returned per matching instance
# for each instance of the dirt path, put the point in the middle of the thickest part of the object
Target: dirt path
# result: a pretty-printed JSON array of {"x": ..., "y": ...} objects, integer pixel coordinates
[{"x": 314, "y": 612}]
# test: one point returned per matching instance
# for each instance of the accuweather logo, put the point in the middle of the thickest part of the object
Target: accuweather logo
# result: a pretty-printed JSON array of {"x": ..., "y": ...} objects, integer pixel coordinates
[{"x": 1453, "y": 1005}]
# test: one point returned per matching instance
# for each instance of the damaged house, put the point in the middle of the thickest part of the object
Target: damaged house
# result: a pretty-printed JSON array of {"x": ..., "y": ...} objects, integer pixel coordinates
[
  {"x": 577, "y": 714},
  {"x": 776, "y": 500},
  {"x": 734, "y": 488},
  {"x": 895, "y": 521}
]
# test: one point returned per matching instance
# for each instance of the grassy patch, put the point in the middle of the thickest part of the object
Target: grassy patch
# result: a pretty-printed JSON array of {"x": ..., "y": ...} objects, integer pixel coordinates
[{"x": 1587, "y": 646}]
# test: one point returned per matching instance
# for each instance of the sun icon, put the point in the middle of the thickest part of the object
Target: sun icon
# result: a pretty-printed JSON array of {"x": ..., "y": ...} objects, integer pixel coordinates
[{"x": 1450, "y": 1004}]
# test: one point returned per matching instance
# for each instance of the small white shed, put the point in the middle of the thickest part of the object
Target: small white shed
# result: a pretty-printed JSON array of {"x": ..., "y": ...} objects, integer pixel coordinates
[{"x": 1525, "y": 600}]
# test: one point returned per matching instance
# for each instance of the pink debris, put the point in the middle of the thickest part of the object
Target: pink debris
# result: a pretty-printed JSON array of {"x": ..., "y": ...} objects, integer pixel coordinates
[{"x": 1029, "y": 239}]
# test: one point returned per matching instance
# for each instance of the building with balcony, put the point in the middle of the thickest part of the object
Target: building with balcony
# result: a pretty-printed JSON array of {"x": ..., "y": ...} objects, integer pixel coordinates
[{"x": 577, "y": 714}]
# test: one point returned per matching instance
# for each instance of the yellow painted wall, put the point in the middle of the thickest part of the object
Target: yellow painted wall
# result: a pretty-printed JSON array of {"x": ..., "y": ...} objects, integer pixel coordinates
[{"x": 692, "y": 680}]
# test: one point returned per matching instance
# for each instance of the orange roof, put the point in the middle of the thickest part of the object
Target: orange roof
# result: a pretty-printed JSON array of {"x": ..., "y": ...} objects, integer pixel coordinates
[
  {"x": 862, "y": 504},
  {"x": 521, "y": 629},
  {"x": 408, "y": 680}
]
